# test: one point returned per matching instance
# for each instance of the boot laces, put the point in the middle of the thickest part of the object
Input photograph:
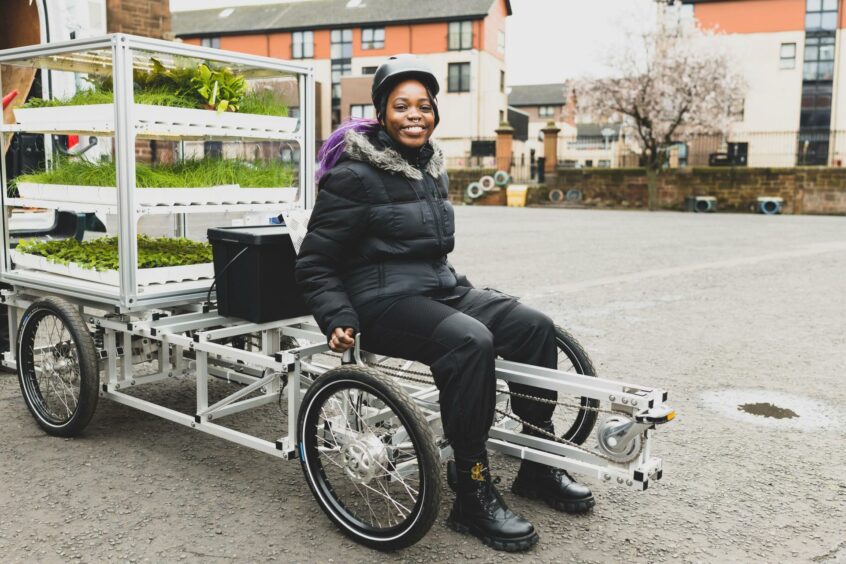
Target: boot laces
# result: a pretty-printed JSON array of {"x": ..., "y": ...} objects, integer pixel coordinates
[
  {"x": 489, "y": 497},
  {"x": 558, "y": 472}
]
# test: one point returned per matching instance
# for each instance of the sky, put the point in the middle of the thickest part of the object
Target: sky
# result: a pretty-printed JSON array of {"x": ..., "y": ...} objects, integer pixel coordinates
[{"x": 547, "y": 40}]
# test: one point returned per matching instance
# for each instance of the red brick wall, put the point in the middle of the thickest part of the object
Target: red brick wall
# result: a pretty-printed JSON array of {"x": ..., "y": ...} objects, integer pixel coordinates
[
  {"x": 808, "y": 190},
  {"x": 150, "y": 18}
]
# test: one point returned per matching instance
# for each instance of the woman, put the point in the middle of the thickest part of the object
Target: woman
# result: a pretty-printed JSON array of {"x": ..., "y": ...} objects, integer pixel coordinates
[{"x": 374, "y": 260}]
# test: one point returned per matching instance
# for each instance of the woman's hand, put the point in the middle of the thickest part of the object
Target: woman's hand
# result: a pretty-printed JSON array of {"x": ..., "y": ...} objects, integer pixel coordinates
[{"x": 341, "y": 339}]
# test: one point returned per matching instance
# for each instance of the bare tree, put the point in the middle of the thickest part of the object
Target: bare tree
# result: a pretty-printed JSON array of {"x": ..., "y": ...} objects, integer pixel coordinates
[{"x": 675, "y": 82}]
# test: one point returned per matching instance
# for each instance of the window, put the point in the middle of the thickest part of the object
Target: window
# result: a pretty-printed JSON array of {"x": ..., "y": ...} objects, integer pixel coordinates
[
  {"x": 341, "y": 43},
  {"x": 737, "y": 109},
  {"x": 502, "y": 81},
  {"x": 460, "y": 36},
  {"x": 362, "y": 111},
  {"x": 373, "y": 38},
  {"x": 500, "y": 42},
  {"x": 339, "y": 69},
  {"x": 546, "y": 111},
  {"x": 815, "y": 113},
  {"x": 302, "y": 45},
  {"x": 501, "y": 116},
  {"x": 787, "y": 56},
  {"x": 368, "y": 70},
  {"x": 459, "y": 77},
  {"x": 341, "y": 55},
  {"x": 819, "y": 58},
  {"x": 213, "y": 42},
  {"x": 820, "y": 15}
]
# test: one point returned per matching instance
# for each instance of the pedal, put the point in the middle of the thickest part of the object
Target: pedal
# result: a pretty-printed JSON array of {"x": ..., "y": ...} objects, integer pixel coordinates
[{"x": 655, "y": 415}]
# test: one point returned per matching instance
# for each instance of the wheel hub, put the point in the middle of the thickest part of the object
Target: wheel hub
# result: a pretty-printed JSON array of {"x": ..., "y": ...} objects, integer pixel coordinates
[
  {"x": 609, "y": 437},
  {"x": 364, "y": 458}
]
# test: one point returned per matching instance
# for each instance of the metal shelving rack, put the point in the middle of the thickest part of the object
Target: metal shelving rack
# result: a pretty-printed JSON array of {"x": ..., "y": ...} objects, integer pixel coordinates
[{"x": 122, "y": 53}]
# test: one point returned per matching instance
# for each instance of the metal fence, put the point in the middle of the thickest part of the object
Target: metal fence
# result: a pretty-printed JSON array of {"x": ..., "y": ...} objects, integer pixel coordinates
[
  {"x": 742, "y": 148},
  {"x": 738, "y": 149}
]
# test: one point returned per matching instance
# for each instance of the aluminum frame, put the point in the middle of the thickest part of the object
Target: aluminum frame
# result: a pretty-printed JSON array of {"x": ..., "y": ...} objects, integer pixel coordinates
[
  {"x": 272, "y": 369},
  {"x": 127, "y": 297}
]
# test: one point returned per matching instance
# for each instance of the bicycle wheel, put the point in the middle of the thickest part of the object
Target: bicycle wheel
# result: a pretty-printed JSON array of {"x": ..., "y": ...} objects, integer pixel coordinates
[
  {"x": 57, "y": 367},
  {"x": 575, "y": 422},
  {"x": 369, "y": 458}
]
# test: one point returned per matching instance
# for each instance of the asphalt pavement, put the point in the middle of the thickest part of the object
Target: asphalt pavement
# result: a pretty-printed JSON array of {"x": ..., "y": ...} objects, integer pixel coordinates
[{"x": 740, "y": 317}]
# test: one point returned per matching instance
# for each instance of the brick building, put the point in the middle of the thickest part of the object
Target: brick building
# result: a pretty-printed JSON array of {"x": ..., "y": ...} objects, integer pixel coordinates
[
  {"x": 463, "y": 41},
  {"x": 793, "y": 58},
  {"x": 150, "y": 18}
]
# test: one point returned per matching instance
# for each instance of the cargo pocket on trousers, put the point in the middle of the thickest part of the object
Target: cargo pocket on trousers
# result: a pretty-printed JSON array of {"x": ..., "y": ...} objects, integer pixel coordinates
[{"x": 500, "y": 292}]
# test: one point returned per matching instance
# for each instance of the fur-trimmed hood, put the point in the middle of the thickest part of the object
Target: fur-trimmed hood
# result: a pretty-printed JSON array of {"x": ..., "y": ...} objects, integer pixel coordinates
[{"x": 359, "y": 147}]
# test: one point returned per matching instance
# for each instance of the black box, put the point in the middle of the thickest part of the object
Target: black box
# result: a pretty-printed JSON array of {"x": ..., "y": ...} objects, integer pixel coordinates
[{"x": 259, "y": 284}]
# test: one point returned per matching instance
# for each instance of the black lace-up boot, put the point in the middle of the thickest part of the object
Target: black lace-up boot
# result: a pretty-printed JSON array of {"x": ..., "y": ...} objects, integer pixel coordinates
[
  {"x": 554, "y": 486},
  {"x": 481, "y": 511}
]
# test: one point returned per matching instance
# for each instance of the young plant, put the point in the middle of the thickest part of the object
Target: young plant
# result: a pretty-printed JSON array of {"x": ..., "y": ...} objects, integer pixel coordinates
[
  {"x": 263, "y": 101},
  {"x": 192, "y": 173},
  {"x": 221, "y": 88},
  {"x": 102, "y": 253}
]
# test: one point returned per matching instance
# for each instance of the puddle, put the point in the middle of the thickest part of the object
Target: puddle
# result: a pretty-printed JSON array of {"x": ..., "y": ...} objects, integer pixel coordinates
[{"x": 766, "y": 408}]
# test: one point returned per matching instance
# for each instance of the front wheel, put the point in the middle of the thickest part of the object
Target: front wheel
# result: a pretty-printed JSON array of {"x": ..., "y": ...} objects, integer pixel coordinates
[
  {"x": 57, "y": 367},
  {"x": 369, "y": 458}
]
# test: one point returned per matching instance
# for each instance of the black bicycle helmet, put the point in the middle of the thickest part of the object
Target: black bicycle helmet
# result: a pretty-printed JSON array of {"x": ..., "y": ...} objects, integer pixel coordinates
[{"x": 396, "y": 69}]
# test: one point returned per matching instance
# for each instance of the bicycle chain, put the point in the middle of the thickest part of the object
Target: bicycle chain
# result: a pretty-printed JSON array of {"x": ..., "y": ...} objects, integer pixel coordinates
[{"x": 409, "y": 375}]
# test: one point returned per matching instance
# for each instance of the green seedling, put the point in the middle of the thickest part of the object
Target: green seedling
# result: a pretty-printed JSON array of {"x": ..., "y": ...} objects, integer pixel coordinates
[
  {"x": 102, "y": 253},
  {"x": 195, "y": 173}
]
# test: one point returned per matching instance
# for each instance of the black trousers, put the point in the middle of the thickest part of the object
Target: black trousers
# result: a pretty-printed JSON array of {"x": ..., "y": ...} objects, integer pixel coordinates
[{"x": 459, "y": 337}]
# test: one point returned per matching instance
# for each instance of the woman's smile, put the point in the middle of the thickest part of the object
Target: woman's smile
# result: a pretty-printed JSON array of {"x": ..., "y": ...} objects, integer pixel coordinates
[{"x": 410, "y": 115}]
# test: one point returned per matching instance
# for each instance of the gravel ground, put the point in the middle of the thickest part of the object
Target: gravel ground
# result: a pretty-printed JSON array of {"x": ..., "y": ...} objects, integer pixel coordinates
[{"x": 720, "y": 310}]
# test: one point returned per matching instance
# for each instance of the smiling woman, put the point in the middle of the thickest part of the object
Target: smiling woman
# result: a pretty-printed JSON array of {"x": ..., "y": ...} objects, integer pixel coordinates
[{"x": 374, "y": 261}]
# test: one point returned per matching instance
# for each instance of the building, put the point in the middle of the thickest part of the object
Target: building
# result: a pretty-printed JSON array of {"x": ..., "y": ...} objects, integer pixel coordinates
[
  {"x": 790, "y": 53},
  {"x": 463, "y": 41},
  {"x": 581, "y": 143}
]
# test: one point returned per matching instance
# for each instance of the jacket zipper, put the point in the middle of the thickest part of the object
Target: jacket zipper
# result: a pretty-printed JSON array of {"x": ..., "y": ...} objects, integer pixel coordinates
[{"x": 435, "y": 215}]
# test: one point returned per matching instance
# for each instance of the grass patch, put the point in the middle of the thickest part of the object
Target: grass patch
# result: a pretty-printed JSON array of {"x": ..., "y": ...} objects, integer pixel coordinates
[
  {"x": 263, "y": 101},
  {"x": 196, "y": 173},
  {"x": 102, "y": 254}
]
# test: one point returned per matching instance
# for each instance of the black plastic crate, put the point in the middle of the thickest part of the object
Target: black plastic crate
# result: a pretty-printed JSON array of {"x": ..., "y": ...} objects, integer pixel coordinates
[{"x": 258, "y": 284}]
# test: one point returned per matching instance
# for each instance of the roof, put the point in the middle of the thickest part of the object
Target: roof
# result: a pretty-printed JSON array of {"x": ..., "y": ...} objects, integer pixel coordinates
[
  {"x": 538, "y": 95},
  {"x": 596, "y": 129},
  {"x": 316, "y": 14}
]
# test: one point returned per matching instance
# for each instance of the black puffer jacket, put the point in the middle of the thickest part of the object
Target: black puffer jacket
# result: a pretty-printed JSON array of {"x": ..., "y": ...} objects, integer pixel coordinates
[{"x": 381, "y": 227}]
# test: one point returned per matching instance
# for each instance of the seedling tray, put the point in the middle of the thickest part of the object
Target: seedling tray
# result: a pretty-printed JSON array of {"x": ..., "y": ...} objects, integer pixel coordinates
[
  {"x": 150, "y": 120},
  {"x": 145, "y": 276},
  {"x": 227, "y": 194}
]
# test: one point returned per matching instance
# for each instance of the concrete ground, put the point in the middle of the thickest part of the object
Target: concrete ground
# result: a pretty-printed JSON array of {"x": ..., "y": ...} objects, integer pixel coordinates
[{"x": 720, "y": 310}]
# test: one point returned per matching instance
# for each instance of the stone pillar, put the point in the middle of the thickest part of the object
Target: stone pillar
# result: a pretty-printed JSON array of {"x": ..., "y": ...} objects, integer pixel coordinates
[
  {"x": 504, "y": 143},
  {"x": 550, "y": 148}
]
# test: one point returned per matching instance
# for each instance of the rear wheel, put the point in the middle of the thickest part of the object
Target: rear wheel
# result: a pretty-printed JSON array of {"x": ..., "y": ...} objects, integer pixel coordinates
[
  {"x": 574, "y": 423},
  {"x": 57, "y": 367},
  {"x": 369, "y": 458}
]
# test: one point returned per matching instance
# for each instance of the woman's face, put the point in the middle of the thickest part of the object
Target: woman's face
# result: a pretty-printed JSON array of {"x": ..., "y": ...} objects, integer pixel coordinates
[{"x": 410, "y": 116}]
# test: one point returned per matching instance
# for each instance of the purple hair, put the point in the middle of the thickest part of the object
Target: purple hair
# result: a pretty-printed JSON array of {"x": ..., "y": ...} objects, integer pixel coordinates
[{"x": 332, "y": 148}]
